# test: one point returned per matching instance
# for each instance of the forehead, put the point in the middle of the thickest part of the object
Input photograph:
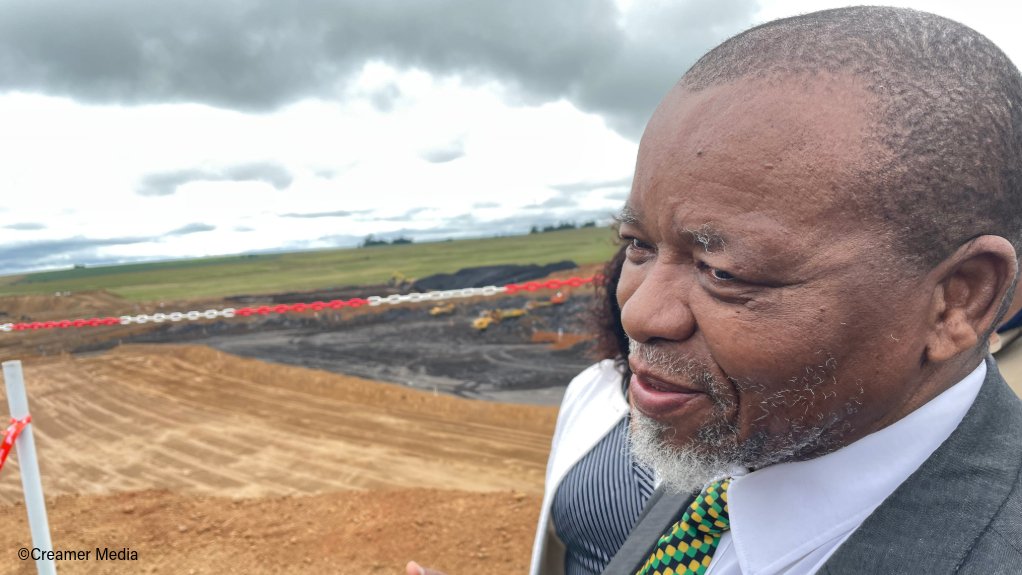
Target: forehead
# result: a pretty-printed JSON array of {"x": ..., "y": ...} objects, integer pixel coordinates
[{"x": 785, "y": 152}]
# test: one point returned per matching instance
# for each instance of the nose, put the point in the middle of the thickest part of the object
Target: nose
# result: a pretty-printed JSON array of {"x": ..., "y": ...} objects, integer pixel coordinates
[{"x": 654, "y": 302}]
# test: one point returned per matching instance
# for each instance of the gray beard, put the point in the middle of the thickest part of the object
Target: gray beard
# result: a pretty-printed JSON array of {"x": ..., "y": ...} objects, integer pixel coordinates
[
  {"x": 715, "y": 451},
  {"x": 713, "y": 454}
]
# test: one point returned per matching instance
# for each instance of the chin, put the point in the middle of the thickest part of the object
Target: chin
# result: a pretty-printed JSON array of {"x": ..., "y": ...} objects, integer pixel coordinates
[
  {"x": 686, "y": 465},
  {"x": 681, "y": 467}
]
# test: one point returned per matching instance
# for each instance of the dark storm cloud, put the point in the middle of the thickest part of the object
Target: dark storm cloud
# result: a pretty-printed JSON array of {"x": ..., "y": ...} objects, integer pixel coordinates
[
  {"x": 60, "y": 252},
  {"x": 26, "y": 226},
  {"x": 191, "y": 229},
  {"x": 167, "y": 183},
  {"x": 260, "y": 55}
]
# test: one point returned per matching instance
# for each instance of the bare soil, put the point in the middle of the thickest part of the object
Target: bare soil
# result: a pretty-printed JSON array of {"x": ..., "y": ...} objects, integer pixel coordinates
[
  {"x": 204, "y": 462},
  {"x": 286, "y": 461}
]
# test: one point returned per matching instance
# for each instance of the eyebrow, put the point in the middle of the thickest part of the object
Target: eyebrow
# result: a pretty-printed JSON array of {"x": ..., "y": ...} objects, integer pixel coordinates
[
  {"x": 627, "y": 215},
  {"x": 709, "y": 237},
  {"x": 706, "y": 235}
]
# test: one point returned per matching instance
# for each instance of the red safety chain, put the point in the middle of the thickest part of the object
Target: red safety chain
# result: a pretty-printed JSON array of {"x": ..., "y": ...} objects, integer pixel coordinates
[
  {"x": 10, "y": 435},
  {"x": 300, "y": 307},
  {"x": 549, "y": 284},
  {"x": 91, "y": 322}
]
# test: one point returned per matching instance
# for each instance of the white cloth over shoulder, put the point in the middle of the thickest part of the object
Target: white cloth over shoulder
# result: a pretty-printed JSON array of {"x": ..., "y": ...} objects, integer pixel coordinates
[{"x": 593, "y": 404}]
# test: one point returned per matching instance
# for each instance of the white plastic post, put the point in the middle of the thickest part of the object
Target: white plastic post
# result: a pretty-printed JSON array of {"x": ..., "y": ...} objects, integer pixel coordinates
[{"x": 17, "y": 399}]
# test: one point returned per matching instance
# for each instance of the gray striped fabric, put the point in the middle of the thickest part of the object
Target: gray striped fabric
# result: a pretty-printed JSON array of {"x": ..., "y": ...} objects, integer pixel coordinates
[{"x": 598, "y": 502}]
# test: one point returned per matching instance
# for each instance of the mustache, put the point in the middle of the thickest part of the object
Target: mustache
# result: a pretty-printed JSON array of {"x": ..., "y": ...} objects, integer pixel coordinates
[{"x": 669, "y": 365}]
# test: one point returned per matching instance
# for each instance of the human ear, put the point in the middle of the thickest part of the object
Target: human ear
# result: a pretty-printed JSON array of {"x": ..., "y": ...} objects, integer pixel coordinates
[{"x": 970, "y": 289}]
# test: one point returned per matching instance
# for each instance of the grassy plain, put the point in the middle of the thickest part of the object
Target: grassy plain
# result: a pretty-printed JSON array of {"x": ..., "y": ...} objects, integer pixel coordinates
[{"x": 271, "y": 273}]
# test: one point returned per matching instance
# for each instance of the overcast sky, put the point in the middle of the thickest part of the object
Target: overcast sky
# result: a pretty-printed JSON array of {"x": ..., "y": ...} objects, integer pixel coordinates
[{"x": 135, "y": 129}]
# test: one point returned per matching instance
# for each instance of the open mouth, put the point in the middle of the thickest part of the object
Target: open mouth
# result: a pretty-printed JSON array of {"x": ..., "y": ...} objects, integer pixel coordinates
[{"x": 659, "y": 399}]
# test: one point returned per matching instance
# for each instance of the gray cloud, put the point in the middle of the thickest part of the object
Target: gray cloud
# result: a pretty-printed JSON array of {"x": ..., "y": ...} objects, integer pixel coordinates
[
  {"x": 167, "y": 183},
  {"x": 335, "y": 214},
  {"x": 385, "y": 98},
  {"x": 272, "y": 53},
  {"x": 405, "y": 217},
  {"x": 575, "y": 187},
  {"x": 483, "y": 205},
  {"x": 620, "y": 195},
  {"x": 191, "y": 229},
  {"x": 559, "y": 201},
  {"x": 26, "y": 226},
  {"x": 468, "y": 225},
  {"x": 444, "y": 154},
  {"x": 60, "y": 252}
]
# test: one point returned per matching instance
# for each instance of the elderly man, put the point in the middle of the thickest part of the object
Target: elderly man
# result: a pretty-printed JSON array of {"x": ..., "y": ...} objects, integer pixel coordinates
[{"x": 825, "y": 223}]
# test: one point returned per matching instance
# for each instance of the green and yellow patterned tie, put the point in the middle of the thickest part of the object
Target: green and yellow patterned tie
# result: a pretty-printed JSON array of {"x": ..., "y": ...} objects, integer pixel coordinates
[{"x": 688, "y": 546}]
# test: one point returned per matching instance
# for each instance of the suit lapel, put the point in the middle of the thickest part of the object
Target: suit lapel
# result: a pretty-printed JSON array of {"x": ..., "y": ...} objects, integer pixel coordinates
[{"x": 930, "y": 523}]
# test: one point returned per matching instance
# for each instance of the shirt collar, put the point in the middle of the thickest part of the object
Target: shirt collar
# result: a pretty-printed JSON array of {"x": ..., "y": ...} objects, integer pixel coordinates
[{"x": 780, "y": 513}]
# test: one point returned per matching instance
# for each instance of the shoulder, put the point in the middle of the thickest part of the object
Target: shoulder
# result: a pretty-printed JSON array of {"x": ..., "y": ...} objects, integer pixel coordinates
[
  {"x": 999, "y": 548},
  {"x": 601, "y": 378}
]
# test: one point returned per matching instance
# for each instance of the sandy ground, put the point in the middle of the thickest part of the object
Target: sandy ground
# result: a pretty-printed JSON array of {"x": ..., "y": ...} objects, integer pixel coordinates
[{"x": 204, "y": 462}]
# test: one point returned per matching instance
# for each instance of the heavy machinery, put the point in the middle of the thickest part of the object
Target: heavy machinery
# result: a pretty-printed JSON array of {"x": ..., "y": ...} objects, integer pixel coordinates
[
  {"x": 442, "y": 309},
  {"x": 492, "y": 316},
  {"x": 556, "y": 299}
]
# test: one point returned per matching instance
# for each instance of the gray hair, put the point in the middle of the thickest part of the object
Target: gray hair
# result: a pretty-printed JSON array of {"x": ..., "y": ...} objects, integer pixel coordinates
[{"x": 950, "y": 117}]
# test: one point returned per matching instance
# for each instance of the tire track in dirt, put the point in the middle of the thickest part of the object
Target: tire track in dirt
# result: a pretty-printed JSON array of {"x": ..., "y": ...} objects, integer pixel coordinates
[{"x": 200, "y": 421}]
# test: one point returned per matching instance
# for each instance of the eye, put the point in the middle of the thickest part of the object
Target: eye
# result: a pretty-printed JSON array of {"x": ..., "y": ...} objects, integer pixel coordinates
[
  {"x": 721, "y": 275},
  {"x": 637, "y": 244},
  {"x": 716, "y": 274},
  {"x": 638, "y": 251}
]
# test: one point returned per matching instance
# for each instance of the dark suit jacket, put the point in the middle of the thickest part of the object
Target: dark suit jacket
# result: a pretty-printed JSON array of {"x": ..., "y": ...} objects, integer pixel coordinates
[{"x": 960, "y": 512}]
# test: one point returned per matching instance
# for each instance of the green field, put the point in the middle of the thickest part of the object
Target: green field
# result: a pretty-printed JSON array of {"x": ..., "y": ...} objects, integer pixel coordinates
[{"x": 272, "y": 273}]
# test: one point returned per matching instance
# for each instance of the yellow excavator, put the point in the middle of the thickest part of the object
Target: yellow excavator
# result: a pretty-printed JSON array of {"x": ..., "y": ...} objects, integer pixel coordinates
[
  {"x": 556, "y": 299},
  {"x": 442, "y": 309},
  {"x": 490, "y": 317}
]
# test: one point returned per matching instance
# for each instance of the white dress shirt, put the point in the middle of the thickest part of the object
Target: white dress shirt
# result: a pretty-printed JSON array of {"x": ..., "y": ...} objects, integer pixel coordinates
[{"x": 790, "y": 518}]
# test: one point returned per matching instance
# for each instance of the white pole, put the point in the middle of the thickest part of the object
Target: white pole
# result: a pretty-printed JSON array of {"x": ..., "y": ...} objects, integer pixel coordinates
[{"x": 29, "y": 465}]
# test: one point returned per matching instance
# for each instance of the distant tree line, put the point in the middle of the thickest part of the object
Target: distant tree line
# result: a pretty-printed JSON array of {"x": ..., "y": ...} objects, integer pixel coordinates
[
  {"x": 371, "y": 241},
  {"x": 562, "y": 226}
]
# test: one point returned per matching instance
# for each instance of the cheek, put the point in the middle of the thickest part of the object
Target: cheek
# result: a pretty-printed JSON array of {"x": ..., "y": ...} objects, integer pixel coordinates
[
  {"x": 628, "y": 282},
  {"x": 770, "y": 344}
]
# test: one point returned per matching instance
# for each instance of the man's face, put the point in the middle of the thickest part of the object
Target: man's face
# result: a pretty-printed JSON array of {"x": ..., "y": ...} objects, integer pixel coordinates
[{"x": 768, "y": 323}]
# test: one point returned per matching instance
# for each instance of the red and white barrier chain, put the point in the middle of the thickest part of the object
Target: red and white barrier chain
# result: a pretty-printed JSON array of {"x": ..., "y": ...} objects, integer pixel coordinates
[{"x": 231, "y": 312}]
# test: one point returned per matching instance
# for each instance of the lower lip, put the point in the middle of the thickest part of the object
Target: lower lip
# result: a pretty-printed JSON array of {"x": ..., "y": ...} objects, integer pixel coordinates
[{"x": 656, "y": 403}]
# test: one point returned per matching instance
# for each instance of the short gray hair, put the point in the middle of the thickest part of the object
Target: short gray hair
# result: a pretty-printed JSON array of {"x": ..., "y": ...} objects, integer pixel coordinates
[{"x": 950, "y": 116}]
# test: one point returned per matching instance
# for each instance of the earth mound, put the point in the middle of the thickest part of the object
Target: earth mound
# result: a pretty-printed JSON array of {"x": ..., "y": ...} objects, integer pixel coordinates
[{"x": 204, "y": 462}]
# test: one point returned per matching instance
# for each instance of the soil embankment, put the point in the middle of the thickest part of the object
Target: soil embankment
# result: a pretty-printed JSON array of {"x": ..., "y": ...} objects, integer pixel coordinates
[
  {"x": 205, "y": 462},
  {"x": 285, "y": 461}
]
